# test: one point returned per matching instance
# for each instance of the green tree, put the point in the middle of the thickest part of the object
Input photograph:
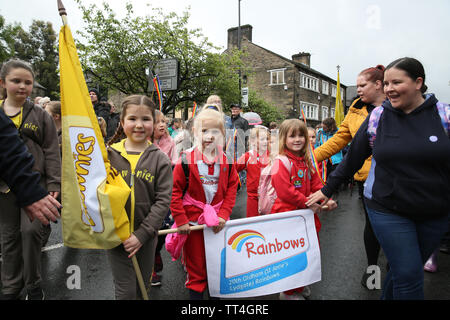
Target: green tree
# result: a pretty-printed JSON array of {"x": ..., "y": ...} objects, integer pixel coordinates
[
  {"x": 117, "y": 52},
  {"x": 7, "y": 37},
  {"x": 267, "y": 111},
  {"x": 45, "y": 60},
  {"x": 38, "y": 47}
]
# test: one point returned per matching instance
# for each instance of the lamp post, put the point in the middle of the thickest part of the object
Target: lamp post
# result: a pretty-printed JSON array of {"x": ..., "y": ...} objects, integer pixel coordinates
[{"x": 239, "y": 48}]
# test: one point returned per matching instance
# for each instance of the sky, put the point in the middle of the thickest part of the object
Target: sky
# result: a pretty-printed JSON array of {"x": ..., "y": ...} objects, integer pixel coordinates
[{"x": 354, "y": 34}]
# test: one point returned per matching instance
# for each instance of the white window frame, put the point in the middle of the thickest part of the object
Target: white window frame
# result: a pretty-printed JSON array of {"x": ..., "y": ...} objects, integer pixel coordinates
[
  {"x": 278, "y": 72},
  {"x": 309, "y": 82},
  {"x": 325, "y": 87},
  {"x": 332, "y": 112},
  {"x": 324, "y": 112},
  {"x": 333, "y": 90},
  {"x": 311, "y": 110}
]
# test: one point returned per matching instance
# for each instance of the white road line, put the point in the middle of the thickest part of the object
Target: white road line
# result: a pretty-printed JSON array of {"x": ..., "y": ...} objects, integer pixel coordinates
[
  {"x": 52, "y": 247},
  {"x": 55, "y": 246}
]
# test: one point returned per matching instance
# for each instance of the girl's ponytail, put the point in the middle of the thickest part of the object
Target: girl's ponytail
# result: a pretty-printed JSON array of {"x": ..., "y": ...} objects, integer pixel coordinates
[{"x": 118, "y": 135}]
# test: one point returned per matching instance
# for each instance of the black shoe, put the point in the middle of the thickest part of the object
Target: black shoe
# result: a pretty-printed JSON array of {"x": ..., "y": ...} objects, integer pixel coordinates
[
  {"x": 35, "y": 294},
  {"x": 156, "y": 280},
  {"x": 364, "y": 279},
  {"x": 11, "y": 296},
  {"x": 194, "y": 295}
]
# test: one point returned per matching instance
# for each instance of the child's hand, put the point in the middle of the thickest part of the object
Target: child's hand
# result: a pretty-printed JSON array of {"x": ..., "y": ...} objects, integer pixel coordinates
[
  {"x": 218, "y": 228},
  {"x": 331, "y": 204},
  {"x": 184, "y": 229},
  {"x": 54, "y": 194},
  {"x": 315, "y": 207},
  {"x": 132, "y": 245},
  {"x": 317, "y": 196}
]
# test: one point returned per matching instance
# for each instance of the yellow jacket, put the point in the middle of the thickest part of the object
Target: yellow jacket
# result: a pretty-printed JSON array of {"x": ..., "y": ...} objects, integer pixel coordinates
[{"x": 347, "y": 130}]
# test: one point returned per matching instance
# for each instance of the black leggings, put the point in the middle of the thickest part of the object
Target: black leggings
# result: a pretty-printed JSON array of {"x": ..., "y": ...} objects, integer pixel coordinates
[{"x": 371, "y": 243}]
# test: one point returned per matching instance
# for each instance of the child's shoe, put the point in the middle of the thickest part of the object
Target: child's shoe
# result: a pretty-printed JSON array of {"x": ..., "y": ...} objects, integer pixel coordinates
[{"x": 431, "y": 264}]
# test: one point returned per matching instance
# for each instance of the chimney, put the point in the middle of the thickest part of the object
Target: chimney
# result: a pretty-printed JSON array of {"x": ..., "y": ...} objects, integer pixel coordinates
[
  {"x": 246, "y": 32},
  {"x": 302, "y": 57}
]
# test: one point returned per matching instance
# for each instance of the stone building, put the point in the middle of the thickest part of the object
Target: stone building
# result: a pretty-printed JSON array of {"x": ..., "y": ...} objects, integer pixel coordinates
[{"x": 286, "y": 83}]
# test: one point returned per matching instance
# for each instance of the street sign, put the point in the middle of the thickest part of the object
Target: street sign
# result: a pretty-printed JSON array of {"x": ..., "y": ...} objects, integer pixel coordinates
[
  {"x": 167, "y": 72},
  {"x": 245, "y": 97}
]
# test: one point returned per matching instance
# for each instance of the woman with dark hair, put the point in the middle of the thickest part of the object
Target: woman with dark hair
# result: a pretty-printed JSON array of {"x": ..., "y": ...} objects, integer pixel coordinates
[
  {"x": 369, "y": 86},
  {"x": 328, "y": 130},
  {"x": 406, "y": 192}
]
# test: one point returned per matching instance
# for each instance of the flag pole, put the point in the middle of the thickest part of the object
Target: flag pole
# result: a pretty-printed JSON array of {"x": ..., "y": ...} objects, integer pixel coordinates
[{"x": 63, "y": 14}]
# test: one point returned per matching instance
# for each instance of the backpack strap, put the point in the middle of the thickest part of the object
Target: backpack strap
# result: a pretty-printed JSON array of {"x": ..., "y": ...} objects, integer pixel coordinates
[
  {"x": 286, "y": 162},
  {"x": 444, "y": 113},
  {"x": 374, "y": 118},
  {"x": 185, "y": 166}
]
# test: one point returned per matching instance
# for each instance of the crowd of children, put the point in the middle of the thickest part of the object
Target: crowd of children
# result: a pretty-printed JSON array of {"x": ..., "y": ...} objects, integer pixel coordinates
[{"x": 192, "y": 185}]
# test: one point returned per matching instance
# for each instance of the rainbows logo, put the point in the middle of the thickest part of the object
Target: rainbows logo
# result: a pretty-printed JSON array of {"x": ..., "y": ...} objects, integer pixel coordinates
[{"x": 237, "y": 240}]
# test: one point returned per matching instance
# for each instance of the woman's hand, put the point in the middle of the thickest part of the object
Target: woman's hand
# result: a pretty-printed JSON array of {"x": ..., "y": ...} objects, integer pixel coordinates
[
  {"x": 218, "y": 228},
  {"x": 184, "y": 229},
  {"x": 316, "y": 197},
  {"x": 132, "y": 245}
]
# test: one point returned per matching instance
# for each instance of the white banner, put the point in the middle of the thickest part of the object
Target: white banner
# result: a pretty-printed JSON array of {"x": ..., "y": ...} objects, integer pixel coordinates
[{"x": 263, "y": 255}]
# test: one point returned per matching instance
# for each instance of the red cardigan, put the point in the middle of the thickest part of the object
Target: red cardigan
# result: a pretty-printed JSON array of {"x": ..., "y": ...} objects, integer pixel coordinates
[
  {"x": 226, "y": 190},
  {"x": 253, "y": 164}
]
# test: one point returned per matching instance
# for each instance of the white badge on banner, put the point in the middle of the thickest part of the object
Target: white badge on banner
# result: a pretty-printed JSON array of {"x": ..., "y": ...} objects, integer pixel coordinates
[{"x": 263, "y": 255}]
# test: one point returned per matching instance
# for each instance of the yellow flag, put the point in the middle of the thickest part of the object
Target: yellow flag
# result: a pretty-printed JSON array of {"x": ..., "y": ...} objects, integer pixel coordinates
[
  {"x": 93, "y": 193},
  {"x": 339, "y": 110}
]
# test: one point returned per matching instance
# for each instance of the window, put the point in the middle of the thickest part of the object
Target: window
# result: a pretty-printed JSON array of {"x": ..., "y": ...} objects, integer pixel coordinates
[
  {"x": 332, "y": 112},
  {"x": 324, "y": 112},
  {"x": 333, "y": 90},
  {"x": 325, "y": 87},
  {"x": 276, "y": 76},
  {"x": 311, "y": 110},
  {"x": 309, "y": 82}
]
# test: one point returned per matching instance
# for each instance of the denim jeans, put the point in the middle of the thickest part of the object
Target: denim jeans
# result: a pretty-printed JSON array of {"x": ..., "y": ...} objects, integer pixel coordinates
[{"x": 407, "y": 245}]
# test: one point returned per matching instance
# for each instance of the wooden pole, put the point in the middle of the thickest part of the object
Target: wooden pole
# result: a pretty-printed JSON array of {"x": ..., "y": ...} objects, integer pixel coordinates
[
  {"x": 62, "y": 12},
  {"x": 194, "y": 228}
]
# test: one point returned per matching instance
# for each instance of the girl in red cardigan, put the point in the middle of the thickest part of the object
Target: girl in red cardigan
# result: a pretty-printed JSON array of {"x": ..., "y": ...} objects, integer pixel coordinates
[
  {"x": 254, "y": 161},
  {"x": 212, "y": 186},
  {"x": 295, "y": 185}
]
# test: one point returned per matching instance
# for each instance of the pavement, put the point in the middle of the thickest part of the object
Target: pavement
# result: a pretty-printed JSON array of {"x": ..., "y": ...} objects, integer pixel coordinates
[{"x": 342, "y": 253}]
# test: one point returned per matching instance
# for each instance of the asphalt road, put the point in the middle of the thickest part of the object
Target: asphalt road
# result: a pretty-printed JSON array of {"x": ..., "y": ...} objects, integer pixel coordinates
[{"x": 342, "y": 252}]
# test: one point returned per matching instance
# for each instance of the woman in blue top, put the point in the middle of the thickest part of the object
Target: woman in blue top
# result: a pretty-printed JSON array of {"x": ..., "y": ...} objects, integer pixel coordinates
[
  {"x": 406, "y": 192},
  {"x": 328, "y": 130}
]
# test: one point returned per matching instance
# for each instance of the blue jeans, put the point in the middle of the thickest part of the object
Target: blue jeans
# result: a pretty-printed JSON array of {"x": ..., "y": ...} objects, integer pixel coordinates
[{"x": 407, "y": 245}]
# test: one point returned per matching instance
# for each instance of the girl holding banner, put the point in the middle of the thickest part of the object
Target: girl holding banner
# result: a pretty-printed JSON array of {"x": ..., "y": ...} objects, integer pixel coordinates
[
  {"x": 148, "y": 172},
  {"x": 205, "y": 193},
  {"x": 294, "y": 184}
]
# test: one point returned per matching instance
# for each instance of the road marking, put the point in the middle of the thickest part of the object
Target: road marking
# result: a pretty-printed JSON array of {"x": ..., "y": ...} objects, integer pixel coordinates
[
  {"x": 55, "y": 246},
  {"x": 52, "y": 247}
]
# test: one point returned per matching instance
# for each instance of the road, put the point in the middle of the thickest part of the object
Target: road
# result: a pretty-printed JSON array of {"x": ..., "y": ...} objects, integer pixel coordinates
[{"x": 342, "y": 252}]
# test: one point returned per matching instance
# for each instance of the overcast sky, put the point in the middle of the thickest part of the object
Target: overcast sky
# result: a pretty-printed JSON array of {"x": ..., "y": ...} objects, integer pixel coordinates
[{"x": 354, "y": 34}]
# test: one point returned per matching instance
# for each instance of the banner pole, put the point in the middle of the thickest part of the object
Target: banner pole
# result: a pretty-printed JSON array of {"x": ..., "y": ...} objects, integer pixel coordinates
[{"x": 194, "y": 228}]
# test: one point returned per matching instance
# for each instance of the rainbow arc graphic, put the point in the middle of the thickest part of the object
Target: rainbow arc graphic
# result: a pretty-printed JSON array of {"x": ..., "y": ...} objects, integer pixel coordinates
[{"x": 237, "y": 240}]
